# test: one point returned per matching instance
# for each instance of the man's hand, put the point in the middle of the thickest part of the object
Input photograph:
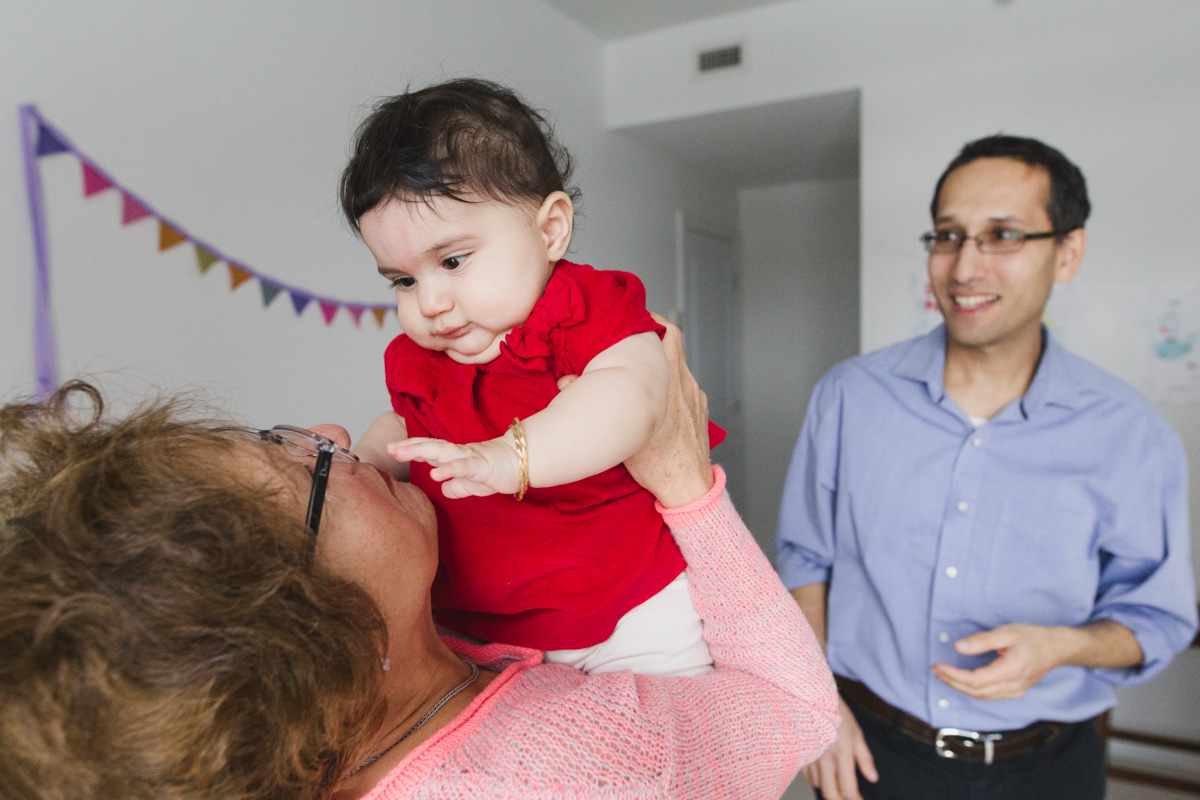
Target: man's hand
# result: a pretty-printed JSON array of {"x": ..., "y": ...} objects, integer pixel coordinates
[
  {"x": 468, "y": 470},
  {"x": 834, "y": 773},
  {"x": 1024, "y": 654}
]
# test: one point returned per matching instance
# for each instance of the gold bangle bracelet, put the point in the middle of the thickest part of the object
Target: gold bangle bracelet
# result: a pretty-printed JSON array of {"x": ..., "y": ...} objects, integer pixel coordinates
[{"x": 518, "y": 432}]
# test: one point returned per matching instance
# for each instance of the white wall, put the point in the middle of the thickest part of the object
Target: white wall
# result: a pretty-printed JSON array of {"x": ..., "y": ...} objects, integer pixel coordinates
[
  {"x": 234, "y": 120},
  {"x": 1115, "y": 85},
  {"x": 800, "y": 295}
]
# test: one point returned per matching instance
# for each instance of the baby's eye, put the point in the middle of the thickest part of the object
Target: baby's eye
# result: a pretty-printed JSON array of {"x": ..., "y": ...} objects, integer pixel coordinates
[
  {"x": 453, "y": 262},
  {"x": 404, "y": 283}
]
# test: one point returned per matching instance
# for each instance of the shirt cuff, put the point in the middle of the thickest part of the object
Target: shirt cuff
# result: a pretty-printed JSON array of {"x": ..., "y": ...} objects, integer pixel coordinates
[{"x": 697, "y": 510}]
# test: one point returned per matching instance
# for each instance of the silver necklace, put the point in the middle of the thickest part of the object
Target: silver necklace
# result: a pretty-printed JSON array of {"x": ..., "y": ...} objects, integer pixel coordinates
[{"x": 446, "y": 698}]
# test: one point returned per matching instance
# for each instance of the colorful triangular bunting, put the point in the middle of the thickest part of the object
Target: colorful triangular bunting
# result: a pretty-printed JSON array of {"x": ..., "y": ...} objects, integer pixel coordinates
[
  {"x": 168, "y": 237},
  {"x": 237, "y": 276},
  {"x": 132, "y": 210},
  {"x": 269, "y": 291},
  {"x": 48, "y": 143},
  {"x": 356, "y": 313},
  {"x": 379, "y": 314},
  {"x": 93, "y": 181},
  {"x": 299, "y": 300},
  {"x": 329, "y": 311},
  {"x": 204, "y": 259}
]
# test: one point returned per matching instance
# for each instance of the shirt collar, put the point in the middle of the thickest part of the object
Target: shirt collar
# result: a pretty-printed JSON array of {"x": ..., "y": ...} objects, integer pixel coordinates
[
  {"x": 1053, "y": 384},
  {"x": 925, "y": 362}
]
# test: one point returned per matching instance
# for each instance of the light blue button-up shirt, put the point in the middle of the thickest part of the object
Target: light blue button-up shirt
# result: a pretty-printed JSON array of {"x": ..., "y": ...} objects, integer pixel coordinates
[{"x": 1067, "y": 507}]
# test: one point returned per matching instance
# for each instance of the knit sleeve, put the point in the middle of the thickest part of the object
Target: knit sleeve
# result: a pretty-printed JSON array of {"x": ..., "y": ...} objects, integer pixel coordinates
[
  {"x": 739, "y": 733},
  {"x": 770, "y": 707}
]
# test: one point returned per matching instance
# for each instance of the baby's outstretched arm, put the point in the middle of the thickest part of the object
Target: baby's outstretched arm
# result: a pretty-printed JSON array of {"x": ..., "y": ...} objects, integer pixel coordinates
[
  {"x": 595, "y": 423},
  {"x": 372, "y": 446}
]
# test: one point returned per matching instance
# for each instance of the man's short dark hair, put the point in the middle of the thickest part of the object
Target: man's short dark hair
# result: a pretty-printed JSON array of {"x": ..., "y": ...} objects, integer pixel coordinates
[
  {"x": 1067, "y": 206},
  {"x": 460, "y": 139}
]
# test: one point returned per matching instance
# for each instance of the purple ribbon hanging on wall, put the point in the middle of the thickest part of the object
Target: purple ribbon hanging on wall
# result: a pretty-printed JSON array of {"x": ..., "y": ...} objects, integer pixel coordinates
[{"x": 46, "y": 143}]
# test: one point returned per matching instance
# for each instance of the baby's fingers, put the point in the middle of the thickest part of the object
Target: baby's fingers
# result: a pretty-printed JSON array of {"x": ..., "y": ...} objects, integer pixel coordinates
[
  {"x": 456, "y": 488},
  {"x": 467, "y": 466},
  {"x": 430, "y": 451}
]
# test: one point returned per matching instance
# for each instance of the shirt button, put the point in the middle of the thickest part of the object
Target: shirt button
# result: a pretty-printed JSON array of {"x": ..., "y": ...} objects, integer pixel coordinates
[
  {"x": 977, "y": 442},
  {"x": 962, "y": 506},
  {"x": 943, "y": 637},
  {"x": 943, "y": 703},
  {"x": 952, "y": 572}
]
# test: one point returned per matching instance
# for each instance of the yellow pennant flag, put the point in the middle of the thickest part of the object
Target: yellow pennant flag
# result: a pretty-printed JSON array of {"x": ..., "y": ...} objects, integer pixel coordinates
[
  {"x": 237, "y": 276},
  {"x": 379, "y": 313},
  {"x": 168, "y": 237}
]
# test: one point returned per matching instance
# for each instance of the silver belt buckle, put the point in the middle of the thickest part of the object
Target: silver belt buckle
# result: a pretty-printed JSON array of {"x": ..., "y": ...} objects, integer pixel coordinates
[{"x": 970, "y": 739}]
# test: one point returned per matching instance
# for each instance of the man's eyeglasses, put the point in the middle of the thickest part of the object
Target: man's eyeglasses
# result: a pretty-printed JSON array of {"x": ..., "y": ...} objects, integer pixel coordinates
[
  {"x": 994, "y": 241},
  {"x": 301, "y": 445}
]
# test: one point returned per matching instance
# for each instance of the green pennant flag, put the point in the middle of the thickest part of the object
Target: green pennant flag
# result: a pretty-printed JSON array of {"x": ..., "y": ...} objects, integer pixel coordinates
[{"x": 204, "y": 259}]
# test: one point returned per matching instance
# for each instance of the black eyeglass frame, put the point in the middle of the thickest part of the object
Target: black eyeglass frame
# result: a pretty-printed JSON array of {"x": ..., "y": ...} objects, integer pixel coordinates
[
  {"x": 929, "y": 239},
  {"x": 304, "y": 442}
]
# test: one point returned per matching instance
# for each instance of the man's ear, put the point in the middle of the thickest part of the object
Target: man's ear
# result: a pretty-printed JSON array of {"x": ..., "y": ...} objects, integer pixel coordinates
[
  {"x": 555, "y": 220},
  {"x": 1070, "y": 255}
]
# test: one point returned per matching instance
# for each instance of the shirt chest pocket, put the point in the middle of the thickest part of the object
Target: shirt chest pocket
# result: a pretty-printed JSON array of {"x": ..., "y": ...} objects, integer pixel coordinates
[{"x": 1043, "y": 566}]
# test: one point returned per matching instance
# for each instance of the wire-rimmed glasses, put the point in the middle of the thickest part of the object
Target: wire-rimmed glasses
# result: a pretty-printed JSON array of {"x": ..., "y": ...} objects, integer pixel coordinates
[
  {"x": 994, "y": 241},
  {"x": 301, "y": 444}
]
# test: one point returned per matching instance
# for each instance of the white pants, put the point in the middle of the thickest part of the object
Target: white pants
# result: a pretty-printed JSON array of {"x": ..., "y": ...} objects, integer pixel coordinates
[{"x": 662, "y": 636}]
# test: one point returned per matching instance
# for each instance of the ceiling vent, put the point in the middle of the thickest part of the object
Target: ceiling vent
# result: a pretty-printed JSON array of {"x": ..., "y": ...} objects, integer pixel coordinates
[{"x": 721, "y": 58}]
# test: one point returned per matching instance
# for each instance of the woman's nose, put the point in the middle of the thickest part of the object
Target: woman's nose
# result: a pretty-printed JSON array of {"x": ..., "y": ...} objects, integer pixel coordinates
[{"x": 336, "y": 433}]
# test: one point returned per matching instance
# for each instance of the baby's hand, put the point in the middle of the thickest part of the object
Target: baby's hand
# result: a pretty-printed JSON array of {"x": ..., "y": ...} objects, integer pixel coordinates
[{"x": 467, "y": 470}]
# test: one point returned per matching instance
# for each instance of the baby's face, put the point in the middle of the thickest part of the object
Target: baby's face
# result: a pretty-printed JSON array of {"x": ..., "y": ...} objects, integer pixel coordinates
[{"x": 465, "y": 274}]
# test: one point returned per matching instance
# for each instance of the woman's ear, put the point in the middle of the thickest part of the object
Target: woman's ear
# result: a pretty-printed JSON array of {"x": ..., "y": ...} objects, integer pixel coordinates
[{"x": 555, "y": 220}]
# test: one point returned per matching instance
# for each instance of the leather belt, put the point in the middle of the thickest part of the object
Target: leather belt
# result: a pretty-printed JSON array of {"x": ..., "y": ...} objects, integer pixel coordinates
[{"x": 951, "y": 742}]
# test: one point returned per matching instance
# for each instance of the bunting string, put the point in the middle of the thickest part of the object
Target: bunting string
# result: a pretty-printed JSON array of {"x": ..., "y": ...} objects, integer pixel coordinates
[{"x": 41, "y": 139}]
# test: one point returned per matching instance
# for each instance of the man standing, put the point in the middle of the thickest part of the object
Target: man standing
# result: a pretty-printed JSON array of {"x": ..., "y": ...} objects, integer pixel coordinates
[{"x": 989, "y": 532}]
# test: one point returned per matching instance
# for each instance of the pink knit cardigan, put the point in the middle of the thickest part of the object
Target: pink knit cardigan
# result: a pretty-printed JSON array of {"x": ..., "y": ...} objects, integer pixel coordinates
[{"x": 549, "y": 731}]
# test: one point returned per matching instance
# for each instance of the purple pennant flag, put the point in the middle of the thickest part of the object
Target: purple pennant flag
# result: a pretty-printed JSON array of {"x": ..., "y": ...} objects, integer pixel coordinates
[
  {"x": 49, "y": 144},
  {"x": 299, "y": 300}
]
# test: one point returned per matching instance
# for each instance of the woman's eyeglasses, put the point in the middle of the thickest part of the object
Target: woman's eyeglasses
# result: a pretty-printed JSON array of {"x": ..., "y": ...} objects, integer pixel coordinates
[{"x": 301, "y": 445}]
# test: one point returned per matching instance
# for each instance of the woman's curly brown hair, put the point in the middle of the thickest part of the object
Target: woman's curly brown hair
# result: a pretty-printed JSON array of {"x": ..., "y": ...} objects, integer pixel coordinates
[{"x": 160, "y": 634}]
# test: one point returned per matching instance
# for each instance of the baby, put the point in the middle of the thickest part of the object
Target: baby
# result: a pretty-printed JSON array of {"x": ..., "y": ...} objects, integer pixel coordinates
[{"x": 460, "y": 192}]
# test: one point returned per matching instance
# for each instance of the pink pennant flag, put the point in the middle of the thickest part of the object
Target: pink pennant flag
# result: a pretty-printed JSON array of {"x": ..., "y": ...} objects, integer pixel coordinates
[
  {"x": 93, "y": 181},
  {"x": 329, "y": 311},
  {"x": 132, "y": 210},
  {"x": 356, "y": 313}
]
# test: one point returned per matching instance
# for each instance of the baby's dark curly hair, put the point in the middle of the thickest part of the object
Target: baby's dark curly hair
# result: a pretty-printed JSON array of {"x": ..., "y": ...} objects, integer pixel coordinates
[{"x": 462, "y": 139}]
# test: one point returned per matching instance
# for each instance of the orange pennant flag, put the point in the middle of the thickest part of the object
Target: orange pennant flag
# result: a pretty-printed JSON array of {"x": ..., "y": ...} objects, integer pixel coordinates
[
  {"x": 379, "y": 313},
  {"x": 237, "y": 276},
  {"x": 204, "y": 259},
  {"x": 168, "y": 237}
]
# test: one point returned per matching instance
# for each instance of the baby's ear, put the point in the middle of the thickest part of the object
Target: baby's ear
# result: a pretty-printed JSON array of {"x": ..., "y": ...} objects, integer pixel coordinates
[{"x": 555, "y": 221}]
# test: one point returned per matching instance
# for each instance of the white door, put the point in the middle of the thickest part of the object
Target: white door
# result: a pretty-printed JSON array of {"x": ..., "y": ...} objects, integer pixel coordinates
[{"x": 711, "y": 322}]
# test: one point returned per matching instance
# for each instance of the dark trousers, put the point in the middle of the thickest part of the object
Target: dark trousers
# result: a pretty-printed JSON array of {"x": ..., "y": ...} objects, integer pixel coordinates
[{"x": 1071, "y": 767}]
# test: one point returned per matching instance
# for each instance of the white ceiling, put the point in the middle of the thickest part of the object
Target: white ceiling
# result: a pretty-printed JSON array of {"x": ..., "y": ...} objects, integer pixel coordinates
[
  {"x": 808, "y": 138},
  {"x": 612, "y": 19}
]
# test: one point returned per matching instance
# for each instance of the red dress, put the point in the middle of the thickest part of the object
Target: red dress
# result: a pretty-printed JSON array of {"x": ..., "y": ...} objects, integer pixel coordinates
[{"x": 557, "y": 570}]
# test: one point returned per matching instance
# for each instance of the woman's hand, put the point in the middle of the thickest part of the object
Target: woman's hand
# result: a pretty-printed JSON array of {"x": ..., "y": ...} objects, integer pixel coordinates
[{"x": 674, "y": 464}]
